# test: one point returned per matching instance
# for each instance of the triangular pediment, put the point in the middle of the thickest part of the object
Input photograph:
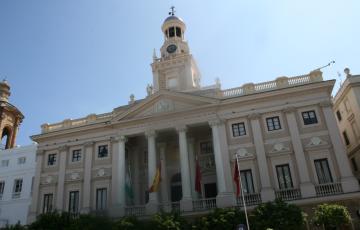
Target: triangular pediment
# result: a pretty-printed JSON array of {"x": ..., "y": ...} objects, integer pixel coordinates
[{"x": 164, "y": 102}]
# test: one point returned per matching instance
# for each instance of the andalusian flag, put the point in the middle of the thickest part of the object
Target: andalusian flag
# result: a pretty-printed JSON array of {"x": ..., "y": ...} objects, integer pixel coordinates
[
  {"x": 128, "y": 185},
  {"x": 156, "y": 182}
]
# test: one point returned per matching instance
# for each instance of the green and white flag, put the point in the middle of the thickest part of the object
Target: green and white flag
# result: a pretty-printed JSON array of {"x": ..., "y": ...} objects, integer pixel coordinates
[{"x": 128, "y": 185}]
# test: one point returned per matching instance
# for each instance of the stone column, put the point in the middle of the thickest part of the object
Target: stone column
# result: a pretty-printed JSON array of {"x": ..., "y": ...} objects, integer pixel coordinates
[
  {"x": 192, "y": 165},
  {"x": 348, "y": 181},
  {"x": 88, "y": 155},
  {"x": 136, "y": 176},
  {"x": 63, "y": 151},
  {"x": 306, "y": 187},
  {"x": 152, "y": 205},
  {"x": 226, "y": 196},
  {"x": 267, "y": 192},
  {"x": 164, "y": 179},
  {"x": 36, "y": 199},
  {"x": 186, "y": 201}
]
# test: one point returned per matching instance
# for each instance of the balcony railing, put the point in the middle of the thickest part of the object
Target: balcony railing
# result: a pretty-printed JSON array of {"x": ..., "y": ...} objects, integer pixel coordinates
[
  {"x": 204, "y": 204},
  {"x": 170, "y": 207},
  {"x": 328, "y": 189},
  {"x": 138, "y": 210},
  {"x": 16, "y": 195},
  {"x": 288, "y": 194},
  {"x": 250, "y": 199}
]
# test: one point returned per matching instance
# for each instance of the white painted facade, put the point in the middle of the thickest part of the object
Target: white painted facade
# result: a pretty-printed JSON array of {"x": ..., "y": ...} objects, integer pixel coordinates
[
  {"x": 282, "y": 130},
  {"x": 16, "y": 164}
]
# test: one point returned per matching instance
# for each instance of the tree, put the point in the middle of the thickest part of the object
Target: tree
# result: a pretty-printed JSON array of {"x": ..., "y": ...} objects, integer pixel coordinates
[
  {"x": 277, "y": 215},
  {"x": 331, "y": 216},
  {"x": 219, "y": 219}
]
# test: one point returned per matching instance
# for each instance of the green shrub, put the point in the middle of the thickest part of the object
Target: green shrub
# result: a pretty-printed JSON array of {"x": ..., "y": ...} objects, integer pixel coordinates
[
  {"x": 90, "y": 222},
  {"x": 168, "y": 221},
  {"x": 53, "y": 221},
  {"x": 331, "y": 216},
  {"x": 277, "y": 215},
  {"x": 219, "y": 219},
  {"x": 128, "y": 223}
]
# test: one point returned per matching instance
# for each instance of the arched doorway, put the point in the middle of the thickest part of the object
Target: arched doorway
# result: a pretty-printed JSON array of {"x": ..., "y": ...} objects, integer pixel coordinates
[
  {"x": 5, "y": 138},
  {"x": 176, "y": 188}
]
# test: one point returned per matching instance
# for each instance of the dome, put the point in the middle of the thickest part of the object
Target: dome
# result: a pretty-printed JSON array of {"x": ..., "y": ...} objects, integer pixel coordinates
[{"x": 173, "y": 18}]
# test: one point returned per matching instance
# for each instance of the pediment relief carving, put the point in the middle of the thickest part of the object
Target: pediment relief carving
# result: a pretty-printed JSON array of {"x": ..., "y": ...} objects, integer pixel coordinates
[
  {"x": 316, "y": 141},
  {"x": 279, "y": 148},
  {"x": 243, "y": 153}
]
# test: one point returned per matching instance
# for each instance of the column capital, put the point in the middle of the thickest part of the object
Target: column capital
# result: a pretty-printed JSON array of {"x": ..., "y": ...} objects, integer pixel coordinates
[
  {"x": 254, "y": 116},
  {"x": 89, "y": 144},
  {"x": 216, "y": 122},
  {"x": 289, "y": 109},
  {"x": 181, "y": 128},
  {"x": 64, "y": 148},
  {"x": 325, "y": 103},
  {"x": 118, "y": 138},
  {"x": 150, "y": 133}
]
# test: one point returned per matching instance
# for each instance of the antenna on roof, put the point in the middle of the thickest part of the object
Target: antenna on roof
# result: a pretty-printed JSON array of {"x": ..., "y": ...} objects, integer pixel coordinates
[
  {"x": 172, "y": 12},
  {"x": 322, "y": 67}
]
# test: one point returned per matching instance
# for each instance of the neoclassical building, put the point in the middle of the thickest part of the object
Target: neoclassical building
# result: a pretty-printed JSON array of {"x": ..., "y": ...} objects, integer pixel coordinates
[
  {"x": 347, "y": 111},
  {"x": 283, "y": 132}
]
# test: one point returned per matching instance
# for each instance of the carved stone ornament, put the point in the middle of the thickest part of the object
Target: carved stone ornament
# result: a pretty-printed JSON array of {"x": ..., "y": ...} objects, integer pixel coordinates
[
  {"x": 64, "y": 148},
  {"x": 279, "y": 147},
  {"x": 289, "y": 109},
  {"x": 254, "y": 116},
  {"x": 216, "y": 122},
  {"x": 89, "y": 144},
  {"x": 48, "y": 179},
  {"x": 243, "y": 153},
  {"x": 150, "y": 133},
  {"x": 164, "y": 105},
  {"x": 101, "y": 172},
  {"x": 316, "y": 141},
  {"x": 181, "y": 128},
  {"x": 74, "y": 176}
]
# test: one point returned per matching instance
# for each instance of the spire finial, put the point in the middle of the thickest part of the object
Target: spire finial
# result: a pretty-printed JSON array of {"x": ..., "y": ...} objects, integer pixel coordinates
[{"x": 172, "y": 12}]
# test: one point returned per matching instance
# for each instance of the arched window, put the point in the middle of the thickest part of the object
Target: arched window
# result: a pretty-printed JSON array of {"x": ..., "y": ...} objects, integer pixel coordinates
[{"x": 5, "y": 138}]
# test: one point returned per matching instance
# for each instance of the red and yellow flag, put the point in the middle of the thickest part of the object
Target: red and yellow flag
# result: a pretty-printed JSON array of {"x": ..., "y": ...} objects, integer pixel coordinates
[{"x": 156, "y": 182}]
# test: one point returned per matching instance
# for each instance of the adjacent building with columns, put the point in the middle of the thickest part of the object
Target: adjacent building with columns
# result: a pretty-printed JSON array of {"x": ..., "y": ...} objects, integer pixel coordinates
[
  {"x": 347, "y": 111},
  {"x": 283, "y": 131}
]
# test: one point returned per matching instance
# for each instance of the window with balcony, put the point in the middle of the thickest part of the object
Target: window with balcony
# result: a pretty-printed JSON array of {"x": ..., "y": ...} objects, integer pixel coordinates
[
  {"x": 48, "y": 203},
  {"x": 2, "y": 187},
  {"x": 17, "y": 188},
  {"x": 323, "y": 171},
  {"x": 284, "y": 176},
  {"x": 206, "y": 147},
  {"x": 101, "y": 199},
  {"x": 273, "y": 123},
  {"x": 51, "y": 159},
  {"x": 74, "y": 202},
  {"x": 76, "y": 155},
  {"x": 102, "y": 151},
  {"x": 21, "y": 160},
  {"x": 247, "y": 182},
  {"x": 309, "y": 117},
  {"x": 238, "y": 129}
]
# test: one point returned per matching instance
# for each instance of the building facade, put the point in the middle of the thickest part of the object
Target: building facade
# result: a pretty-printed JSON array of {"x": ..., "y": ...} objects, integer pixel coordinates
[
  {"x": 347, "y": 111},
  {"x": 283, "y": 131}
]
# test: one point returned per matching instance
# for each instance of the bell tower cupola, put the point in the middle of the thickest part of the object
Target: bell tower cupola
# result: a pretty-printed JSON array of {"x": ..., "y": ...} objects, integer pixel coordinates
[{"x": 175, "y": 69}]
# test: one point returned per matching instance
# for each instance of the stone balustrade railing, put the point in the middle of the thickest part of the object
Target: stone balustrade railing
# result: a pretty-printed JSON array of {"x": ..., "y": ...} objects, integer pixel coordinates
[
  {"x": 280, "y": 82},
  {"x": 204, "y": 204},
  {"x": 328, "y": 189},
  {"x": 250, "y": 199},
  {"x": 138, "y": 210},
  {"x": 288, "y": 194}
]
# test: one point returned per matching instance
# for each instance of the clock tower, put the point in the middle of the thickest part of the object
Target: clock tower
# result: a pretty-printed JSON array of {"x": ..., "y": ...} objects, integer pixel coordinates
[{"x": 175, "y": 69}]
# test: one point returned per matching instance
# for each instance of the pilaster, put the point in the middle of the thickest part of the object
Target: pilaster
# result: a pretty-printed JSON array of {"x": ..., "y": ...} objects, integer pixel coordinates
[
  {"x": 63, "y": 152},
  {"x": 88, "y": 155}
]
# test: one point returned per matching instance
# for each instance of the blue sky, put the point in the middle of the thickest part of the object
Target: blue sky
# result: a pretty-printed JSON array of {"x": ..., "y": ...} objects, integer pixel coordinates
[{"x": 69, "y": 58}]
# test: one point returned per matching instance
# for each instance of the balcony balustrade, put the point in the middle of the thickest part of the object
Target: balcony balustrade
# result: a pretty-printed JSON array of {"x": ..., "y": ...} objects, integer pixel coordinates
[
  {"x": 288, "y": 194},
  {"x": 250, "y": 199},
  {"x": 204, "y": 204},
  {"x": 328, "y": 189},
  {"x": 138, "y": 210}
]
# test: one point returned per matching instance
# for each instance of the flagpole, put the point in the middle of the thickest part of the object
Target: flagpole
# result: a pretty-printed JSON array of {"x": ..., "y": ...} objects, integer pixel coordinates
[{"x": 242, "y": 193}]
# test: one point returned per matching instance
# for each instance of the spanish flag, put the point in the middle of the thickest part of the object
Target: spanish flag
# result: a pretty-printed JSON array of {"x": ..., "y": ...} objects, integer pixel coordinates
[{"x": 156, "y": 182}]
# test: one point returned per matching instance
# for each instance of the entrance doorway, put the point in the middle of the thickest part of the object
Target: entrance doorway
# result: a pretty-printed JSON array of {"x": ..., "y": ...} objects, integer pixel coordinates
[
  {"x": 210, "y": 190},
  {"x": 176, "y": 188}
]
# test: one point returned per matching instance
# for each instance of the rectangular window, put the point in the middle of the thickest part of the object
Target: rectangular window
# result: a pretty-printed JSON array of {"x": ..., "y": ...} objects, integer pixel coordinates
[
  {"x": 338, "y": 115},
  {"x": 247, "y": 181},
  {"x": 346, "y": 138},
  {"x": 284, "y": 176},
  {"x": 74, "y": 202},
  {"x": 353, "y": 162},
  {"x": 206, "y": 147},
  {"x": 51, "y": 159},
  {"x": 17, "y": 188},
  {"x": 309, "y": 117},
  {"x": 47, "y": 206},
  {"x": 323, "y": 171},
  {"x": 238, "y": 129},
  {"x": 273, "y": 123},
  {"x": 21, "y": 160},
  {"x": 102, "y": 151},
  {"x": 101, "y": 198},
  {"x": 2, "y": 187},
  {"x": 76, "y": 155},
  {"x": 4, "y": 163}
]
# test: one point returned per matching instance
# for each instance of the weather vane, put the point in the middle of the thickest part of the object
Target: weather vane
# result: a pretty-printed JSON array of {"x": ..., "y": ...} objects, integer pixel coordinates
[{"x": 172, "y": 13}]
